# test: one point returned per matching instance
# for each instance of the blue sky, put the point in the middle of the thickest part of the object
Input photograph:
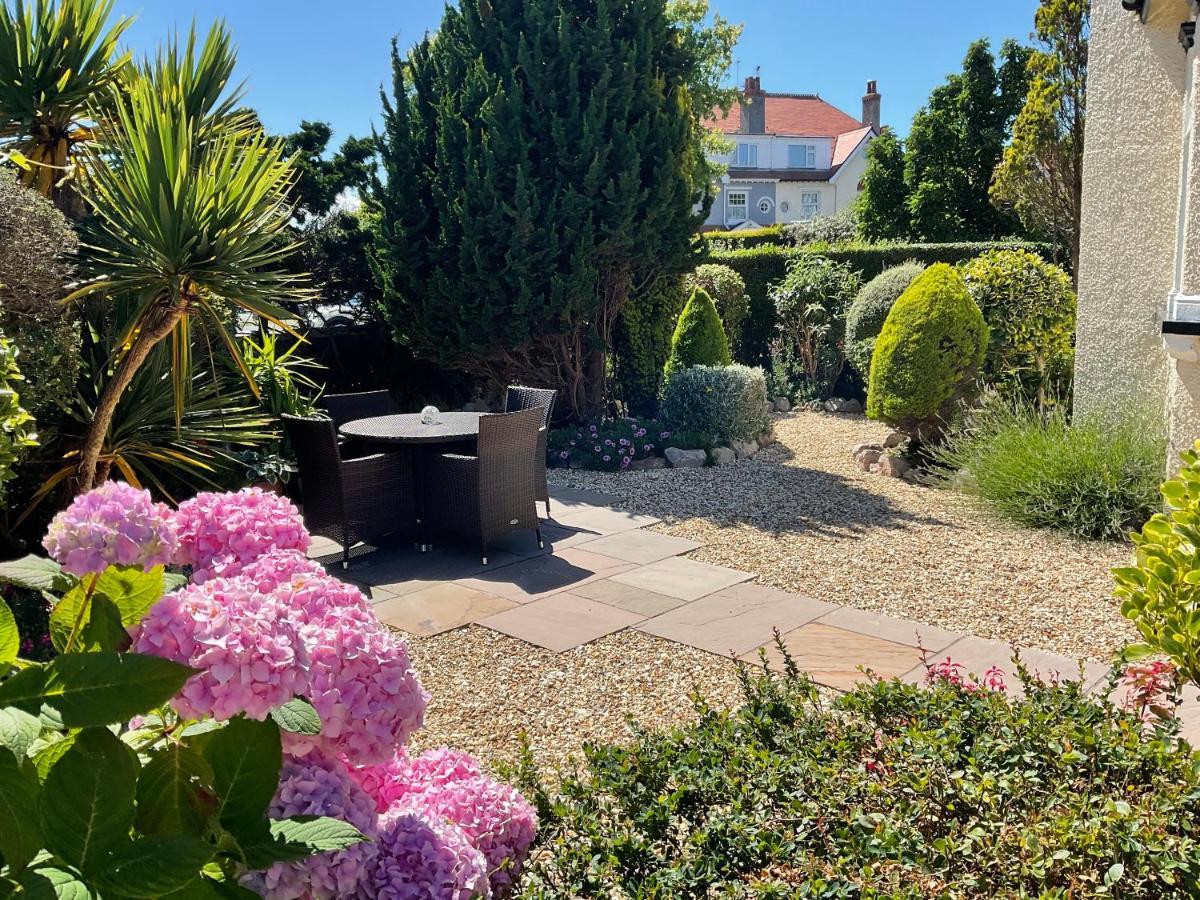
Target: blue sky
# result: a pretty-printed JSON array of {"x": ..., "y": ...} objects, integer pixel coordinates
[{"x": 325, "y": 60}]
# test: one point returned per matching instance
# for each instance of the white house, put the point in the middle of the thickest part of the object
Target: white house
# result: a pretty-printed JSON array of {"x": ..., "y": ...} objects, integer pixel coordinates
[{"x": 794, "y": 157}]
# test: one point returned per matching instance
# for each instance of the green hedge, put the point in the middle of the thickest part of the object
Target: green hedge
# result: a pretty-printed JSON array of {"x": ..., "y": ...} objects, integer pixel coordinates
[
  {"x": 763, "y": 265},
  {"x": 768, "y": 236}
]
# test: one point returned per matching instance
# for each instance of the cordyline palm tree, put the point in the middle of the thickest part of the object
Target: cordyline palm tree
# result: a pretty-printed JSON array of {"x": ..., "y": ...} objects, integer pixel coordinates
[
  {"x": 58, "y": 62},
  {"x": 191, "y": 207}
]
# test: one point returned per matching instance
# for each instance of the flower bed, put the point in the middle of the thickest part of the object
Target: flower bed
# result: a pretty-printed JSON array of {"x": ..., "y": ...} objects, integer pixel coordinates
[{"x": 609, "y": 446}]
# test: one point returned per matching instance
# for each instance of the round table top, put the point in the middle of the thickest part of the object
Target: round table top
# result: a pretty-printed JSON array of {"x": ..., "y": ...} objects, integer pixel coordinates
[{"x": 407, "y": 428}]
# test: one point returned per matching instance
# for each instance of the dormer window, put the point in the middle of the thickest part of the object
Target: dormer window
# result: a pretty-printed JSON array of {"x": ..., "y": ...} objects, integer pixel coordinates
[
  {"x": 802, "y": 156},
  {"x": 747, "y": 156}
]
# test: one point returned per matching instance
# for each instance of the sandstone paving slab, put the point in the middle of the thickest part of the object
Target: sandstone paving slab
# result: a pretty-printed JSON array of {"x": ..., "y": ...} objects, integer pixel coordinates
[
  {"x": 642, "y": 547},
  {"x": 561, "y": 622},
  {"x": 686, "y": 579},
  {"x": 890, "y": 628},
  {"x": 627, "y": 597},
  {"x": 839, "y": 658},
  {"x": 438, "y": 608},
  {"x": 578, "y": 495},
  {"x": 531, "y": 578},
  {"x": 603, "y": 520},
  {"x": 735, "y": 620}
]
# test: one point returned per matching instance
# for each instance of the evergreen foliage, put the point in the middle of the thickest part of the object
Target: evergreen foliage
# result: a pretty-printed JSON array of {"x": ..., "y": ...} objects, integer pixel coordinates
[
  {"x": 868, "y": 312},
  {"x": 728, "y": 292},
  {"x": 883, "y": 203},
  {"x": 540, "y": 162},
  {"x": 927, "y": 355},
  {"x": 699, "y": 338},
  {"x": 643, "y": 343},
  {"x": 722, "y": 403}
]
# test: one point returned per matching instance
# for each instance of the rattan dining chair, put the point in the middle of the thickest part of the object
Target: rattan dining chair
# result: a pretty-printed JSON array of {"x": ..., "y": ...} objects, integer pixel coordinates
[
  {"x": 343, "y": 408},
  {"x": 350, "y": 499},
  {"x": 518, "y": 398},
  {"x": 491, "y": 493}
]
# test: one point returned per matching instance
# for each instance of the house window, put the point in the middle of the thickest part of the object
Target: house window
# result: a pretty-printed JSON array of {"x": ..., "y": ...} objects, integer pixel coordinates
[
  {"x": 764, "y": 205},
  {"x": 736, "y": 206},
  {"x": 747, "y": 155},
  {"x": 802, "y": 156},
  {"x": 810, "y": 204}
]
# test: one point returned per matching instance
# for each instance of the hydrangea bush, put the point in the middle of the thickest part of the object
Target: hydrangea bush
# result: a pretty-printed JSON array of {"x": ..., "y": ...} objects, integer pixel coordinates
[{"x": 243, "y": 729}]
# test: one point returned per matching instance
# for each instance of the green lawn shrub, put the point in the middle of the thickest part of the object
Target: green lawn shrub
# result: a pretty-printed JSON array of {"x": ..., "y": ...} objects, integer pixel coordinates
[
  {"x": 1094, "y": 478},
  {"x": 869, "y": 310},
  {"x": 810, "y": 309},
  {"x": 927, "y": 355},
  {"x": 699, "y": 338},
  {"x": 893, "y": 790},
  {"x": 768, "y": 235},
  {"x": 642, "y": 343},
  {"x": 1029, "y": 306},
  {"x": 728, "y": 292},
  {"x": 840, "y": 228},
  {"x": 726, "y": 403}
]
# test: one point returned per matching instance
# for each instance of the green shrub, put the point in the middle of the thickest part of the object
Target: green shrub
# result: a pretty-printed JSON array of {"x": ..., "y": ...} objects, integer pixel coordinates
[
  {"x": 892, "y": 790},
  {"x": 642, "y": 343},
  {"x": 699, "y": 338},
  {"x": 840, "y": 228},
  {"x": 870, "y": 308},
  {"x": 16, "y": 425},
  {"x": 768, "y": 235},
  {"x": 1160, "y": 593},
  {"x": 726, "y": 403},
  {"x": 1029, "y": 306},
  {"x": 927, "y": 355},
  {"x": 810, "y": 308},
  {"x": 728, "y": 292},
  {"x": 1094, "y": 478}
]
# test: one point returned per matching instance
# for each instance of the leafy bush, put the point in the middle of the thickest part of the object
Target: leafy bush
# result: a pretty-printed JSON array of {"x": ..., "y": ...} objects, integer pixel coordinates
[
  {"x": 1160, "y": 593},
  {"x": 728, "y": 292},
  {"x": 699, "y": 338},
  {"x": 726, "y": 403},
  {"x": 642, "y": 343},
  {"x": 1029, "y": 306},
  {"x": 16, "y": 425},
  {"x": 869, "y": 310},
  {"x": 768, "y": 235},
  {"x": 810, "y": 307},
  {"x": 893, "y": 790},
  {"x": 840, "y": 228},
  {"x": 242, "y": 733},
  {"x": 608, "y": 446},
  {"x": 1094, "y": 478},
  {"x": 927, "y": 355}
]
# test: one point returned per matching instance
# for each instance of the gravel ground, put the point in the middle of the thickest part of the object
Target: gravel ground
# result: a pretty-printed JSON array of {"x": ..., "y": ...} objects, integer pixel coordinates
[
  {"x": 805, "y": 518},
  {"x": 488, "y": 687}
]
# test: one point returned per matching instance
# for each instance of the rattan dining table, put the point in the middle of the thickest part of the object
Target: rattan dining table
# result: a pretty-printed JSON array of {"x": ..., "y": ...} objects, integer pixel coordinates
[{"x": 409, "y": 429}]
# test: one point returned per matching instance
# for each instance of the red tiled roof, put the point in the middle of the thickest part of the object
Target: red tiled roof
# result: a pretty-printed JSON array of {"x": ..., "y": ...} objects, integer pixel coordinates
[
  {"x": 805, "y": 115},
  {"x": 847, "y": 143}
]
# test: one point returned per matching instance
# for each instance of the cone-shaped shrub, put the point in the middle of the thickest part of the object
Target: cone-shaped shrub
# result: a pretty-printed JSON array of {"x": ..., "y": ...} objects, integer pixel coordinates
[
  {"x": 870, "y": 309},
  {"x": 927, "y": 355},
  {"x": 699, "y": 338}
]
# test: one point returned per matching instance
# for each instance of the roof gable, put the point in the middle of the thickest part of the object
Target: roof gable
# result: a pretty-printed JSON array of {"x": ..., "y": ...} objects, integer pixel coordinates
[{"x": 804, "y": 115}]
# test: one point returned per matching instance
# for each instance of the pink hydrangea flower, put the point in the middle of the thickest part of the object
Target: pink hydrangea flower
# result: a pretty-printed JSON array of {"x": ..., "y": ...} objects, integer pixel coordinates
[
  {"x": 220, "y": 533},
  {"x": 115, "y": 524},
  {"x": 277, "y": 568},
  {"x": 320, "y": 786},
  {"x": 421, "y": 857},
  {"x": 402, "y": 778},
  {"x": 251, "y": 660}
]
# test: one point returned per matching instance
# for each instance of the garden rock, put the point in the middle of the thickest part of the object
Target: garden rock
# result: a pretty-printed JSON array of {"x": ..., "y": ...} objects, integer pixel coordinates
[
  {"x": 723, "y": 456},
  {"x": 893, "y": 466},
  {"x": 782, "y": 404},
  {"x": 895, "y": 439},
  {"x": 868, "y": 459},
  {"x": 843, "y": 406},
  {"x": 745, "y": 449},
  {"x": 685, "y": 459},
  {"x": 859, "y": 448},
  {"x": 767, "y": 438},
  {"x": 651, "y": 462}
]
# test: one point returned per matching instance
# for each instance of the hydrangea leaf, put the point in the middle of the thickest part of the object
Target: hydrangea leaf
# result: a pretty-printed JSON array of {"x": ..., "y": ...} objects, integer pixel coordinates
[
  {"x": 297, "y": 716},
  {"x": 36, "y": 573},
  {"x": 20, "y": 837},
  {"x": 168, "y": 791},
  {"x": 87, "y": 802},
  {"x": 52, "y": 883},
  {"x": 297, "y": 837},
  {"x": 85, "y": 690},
  {"x": 18, "y": 731},
  {"x": 246, "y": 758},
  {"x": 130, "y": 590},
  {"x": 154, "y": 866},
  {"x": 10, "y": 637}
]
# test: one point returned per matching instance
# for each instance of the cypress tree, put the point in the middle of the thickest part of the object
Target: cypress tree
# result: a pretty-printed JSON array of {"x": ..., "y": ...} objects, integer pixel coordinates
[
  {"x": 699, "y": 338},
  {"x": 539, "y": 161}
]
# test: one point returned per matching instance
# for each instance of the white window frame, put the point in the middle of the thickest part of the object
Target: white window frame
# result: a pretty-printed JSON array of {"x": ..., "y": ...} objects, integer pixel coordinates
[
  {"x": 746, "y": 156},
  {"x": 765, "y": 205},
  {"x": 807, "y": 156},
  {"x": 810, "y": 204},
  {"x": 730, "y": 206}
]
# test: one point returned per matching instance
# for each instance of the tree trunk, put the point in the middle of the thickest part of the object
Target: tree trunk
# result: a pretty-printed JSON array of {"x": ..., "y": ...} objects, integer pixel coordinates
[{"x": 106, "y": 407}]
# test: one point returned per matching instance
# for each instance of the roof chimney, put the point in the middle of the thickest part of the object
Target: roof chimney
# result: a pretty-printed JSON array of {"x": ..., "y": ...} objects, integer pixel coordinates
[
  {"x": 753, "y": 118},
  {"x": 871, "y": 103}
]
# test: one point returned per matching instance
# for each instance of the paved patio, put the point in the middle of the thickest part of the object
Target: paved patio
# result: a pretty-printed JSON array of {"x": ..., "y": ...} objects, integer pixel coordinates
[{"x": 602, "y": 572}]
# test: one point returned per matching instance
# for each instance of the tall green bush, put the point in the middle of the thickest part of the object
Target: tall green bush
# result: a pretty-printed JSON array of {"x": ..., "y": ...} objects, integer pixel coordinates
[
  {"x": 728, "y": 292},
  {"x": 699, "y": 338},
  {"x": 643, "y": 343},
  {"x": 1029, "y": 306},
  {"x": 927, "y": 355},
  {"x": 810, "y": 307},
  {"x": 723, "y": 403},
  {"x": 870, "y": 308},
  {"x": 16, "y": 425}
]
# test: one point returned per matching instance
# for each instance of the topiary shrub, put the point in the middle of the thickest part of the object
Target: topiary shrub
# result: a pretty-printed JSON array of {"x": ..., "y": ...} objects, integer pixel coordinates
[
  {"x": 1029, "y": 306},
  {"x": 810, "y": 308},
  {"x": 870, "y": 309},
  {"x": 727, "y": 403},
  {"x": 728, "y": 292},
  {"x": 642, "y": 343},
  {"x": 927, "y": 355},
  {"x": 699, "y": 338}
]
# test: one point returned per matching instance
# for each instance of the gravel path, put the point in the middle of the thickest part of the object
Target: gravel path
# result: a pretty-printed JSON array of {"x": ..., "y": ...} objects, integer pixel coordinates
[{"x": 805, "y": 518}]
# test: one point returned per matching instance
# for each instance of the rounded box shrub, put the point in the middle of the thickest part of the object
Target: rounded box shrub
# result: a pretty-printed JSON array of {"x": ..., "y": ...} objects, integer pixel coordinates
[
  {"x": 699, "y": 338},
  {"x": 727, "y": 403},
  {"x": 927, "y": 354},
  {"x": 870, "y": 309},
  {"x": 728, "y": 291}
]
